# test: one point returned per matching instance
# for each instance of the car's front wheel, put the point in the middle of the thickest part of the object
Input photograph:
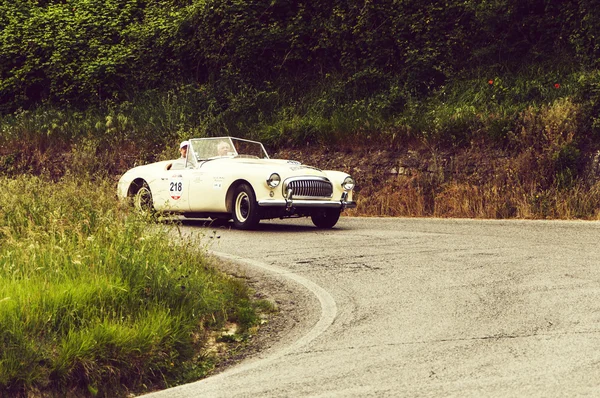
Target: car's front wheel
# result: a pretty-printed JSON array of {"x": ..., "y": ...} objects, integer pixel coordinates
[
  {"x": 142, "y": 200},
  {"x": 245, "y": 209},
  {"x": 326, "y": 218}
]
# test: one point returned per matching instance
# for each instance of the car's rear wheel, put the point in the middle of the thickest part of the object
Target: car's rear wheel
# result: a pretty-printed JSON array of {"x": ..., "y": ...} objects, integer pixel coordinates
[
  {"x": 245, "y": 209},
  {"x": 326, "y": 218},
  {"x": 142, "y": 200}
]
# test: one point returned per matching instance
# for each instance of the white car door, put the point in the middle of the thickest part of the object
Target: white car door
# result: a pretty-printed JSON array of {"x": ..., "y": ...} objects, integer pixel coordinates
[
  {"x": 170, "y": 191},
  {"x": 207, "y": 188}
]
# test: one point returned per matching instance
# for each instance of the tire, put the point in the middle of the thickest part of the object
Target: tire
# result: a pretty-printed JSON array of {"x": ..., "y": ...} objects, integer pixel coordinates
[
  {"x": 326, "y": 218},
  {"x": 142, "y": 200},
  {"x": 244, "y": 208}
]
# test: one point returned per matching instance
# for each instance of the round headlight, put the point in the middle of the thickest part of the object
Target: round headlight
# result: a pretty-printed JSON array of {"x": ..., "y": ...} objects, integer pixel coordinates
[
  {"x": 274, "y": 180},
  {"x": 348, "y": 183}
]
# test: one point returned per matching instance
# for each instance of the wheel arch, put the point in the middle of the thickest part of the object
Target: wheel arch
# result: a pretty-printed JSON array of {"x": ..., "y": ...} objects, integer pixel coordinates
[
  {"x": 135, "y": 186},
  {"x": 231, "y": 190}
]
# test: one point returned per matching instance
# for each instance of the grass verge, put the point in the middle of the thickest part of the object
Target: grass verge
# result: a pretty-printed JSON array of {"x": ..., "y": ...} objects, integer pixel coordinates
[{"x": 93, "y": 302}]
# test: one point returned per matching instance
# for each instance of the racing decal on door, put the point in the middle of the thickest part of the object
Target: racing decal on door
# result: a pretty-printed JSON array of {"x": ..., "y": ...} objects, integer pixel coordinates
[
  {"x": 218, "y": 182},
  {"x": 176, "y": 186}
]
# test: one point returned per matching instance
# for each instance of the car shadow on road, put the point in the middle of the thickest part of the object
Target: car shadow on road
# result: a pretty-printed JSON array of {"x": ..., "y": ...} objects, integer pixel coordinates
[{"x": 289, "y": 226}]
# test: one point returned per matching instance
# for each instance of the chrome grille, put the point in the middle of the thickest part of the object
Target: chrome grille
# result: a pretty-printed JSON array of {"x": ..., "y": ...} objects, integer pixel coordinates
[{"x": 309, "y": 188}]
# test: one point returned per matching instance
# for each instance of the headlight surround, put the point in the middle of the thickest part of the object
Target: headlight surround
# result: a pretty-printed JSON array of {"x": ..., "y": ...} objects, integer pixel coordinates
[
  {"x": 274, "y": 180},
  {"x": 348, "y": 184}
]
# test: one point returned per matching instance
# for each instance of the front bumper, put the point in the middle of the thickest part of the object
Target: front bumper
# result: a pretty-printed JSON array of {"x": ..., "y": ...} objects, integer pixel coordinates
[{"x": 298, "y": 203}]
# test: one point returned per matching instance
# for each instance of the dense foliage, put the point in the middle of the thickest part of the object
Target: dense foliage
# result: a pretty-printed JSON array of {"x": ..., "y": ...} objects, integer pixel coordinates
[{"x": 81, "y": 52}]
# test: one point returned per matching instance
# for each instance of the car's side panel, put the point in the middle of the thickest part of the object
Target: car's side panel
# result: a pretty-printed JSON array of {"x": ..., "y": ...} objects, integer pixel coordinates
[
  {"x": 214, "y": 178},
  {"x": 170, "y": 188},
  {"x": 208, "y": 187}
]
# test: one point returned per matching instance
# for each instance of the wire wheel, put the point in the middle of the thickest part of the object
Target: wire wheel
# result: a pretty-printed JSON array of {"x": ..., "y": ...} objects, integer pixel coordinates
[{"x": 142, "y": 200}]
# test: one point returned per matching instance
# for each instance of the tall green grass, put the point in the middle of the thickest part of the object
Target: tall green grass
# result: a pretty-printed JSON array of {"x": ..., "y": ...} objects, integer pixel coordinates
[{"x": 94, "y": 301}]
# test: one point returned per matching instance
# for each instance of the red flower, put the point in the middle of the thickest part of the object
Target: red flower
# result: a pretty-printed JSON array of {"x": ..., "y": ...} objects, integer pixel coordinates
[
  {"x": 490, "y": 82},
  {"x": 556, "y": 85}
]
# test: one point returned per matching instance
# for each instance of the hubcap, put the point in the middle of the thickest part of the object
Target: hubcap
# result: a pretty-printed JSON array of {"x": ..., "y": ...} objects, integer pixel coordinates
[{"x": 242, "y": 206}]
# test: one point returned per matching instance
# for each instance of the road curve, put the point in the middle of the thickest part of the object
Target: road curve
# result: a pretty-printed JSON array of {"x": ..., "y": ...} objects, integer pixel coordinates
[
  {"x": 327, "y": 314},
  {"x": 425, "y": 307}
]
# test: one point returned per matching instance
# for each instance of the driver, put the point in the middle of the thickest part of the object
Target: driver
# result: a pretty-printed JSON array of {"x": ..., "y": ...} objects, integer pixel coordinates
[
  {"x": 183, "y": 147},
  {"x": 223, "y": 148},
  {"x": 180, "y": 163}
]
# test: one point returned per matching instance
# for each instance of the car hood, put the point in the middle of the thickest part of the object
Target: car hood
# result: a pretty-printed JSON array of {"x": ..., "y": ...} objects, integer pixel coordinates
[{"x": 285, "y": 167}]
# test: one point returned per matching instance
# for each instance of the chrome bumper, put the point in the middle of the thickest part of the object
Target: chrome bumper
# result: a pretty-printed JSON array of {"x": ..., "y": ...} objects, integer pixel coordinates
[{"x": 342, "y": 204}]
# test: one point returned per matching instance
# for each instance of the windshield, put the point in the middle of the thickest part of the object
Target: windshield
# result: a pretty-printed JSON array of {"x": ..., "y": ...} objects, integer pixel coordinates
[{"x": 223, "y": 147}]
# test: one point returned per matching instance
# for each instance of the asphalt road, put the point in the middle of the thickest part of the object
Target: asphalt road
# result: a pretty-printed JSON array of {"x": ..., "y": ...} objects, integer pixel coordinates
[{"x": 420, "y": 307}]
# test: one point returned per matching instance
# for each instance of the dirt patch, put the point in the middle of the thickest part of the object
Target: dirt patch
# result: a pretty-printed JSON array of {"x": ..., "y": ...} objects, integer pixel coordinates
[{"x": 297, "y": 310}]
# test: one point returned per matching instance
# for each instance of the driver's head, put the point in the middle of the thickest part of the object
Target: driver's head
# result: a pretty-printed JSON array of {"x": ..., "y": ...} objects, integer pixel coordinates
[
  {"x": 223, "y": 148},
  {"x": 183, "y": 147}
]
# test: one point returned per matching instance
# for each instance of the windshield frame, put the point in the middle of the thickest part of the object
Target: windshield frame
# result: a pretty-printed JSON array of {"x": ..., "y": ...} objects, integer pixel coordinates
[{"x": 209, "y": 148}]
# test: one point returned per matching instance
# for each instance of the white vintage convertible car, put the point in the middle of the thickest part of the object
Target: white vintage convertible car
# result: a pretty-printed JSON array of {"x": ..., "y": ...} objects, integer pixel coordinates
[{"x": 228, "y": 178}]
